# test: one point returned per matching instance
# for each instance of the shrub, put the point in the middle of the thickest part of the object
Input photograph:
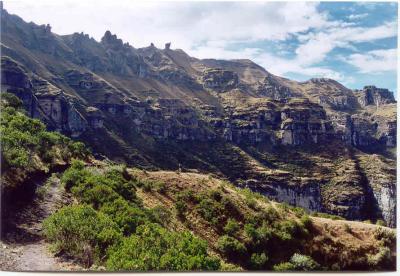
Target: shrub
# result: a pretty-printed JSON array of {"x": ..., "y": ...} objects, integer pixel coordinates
[
  {"x": 94, "y": 194},
  {"x": 258, "y": 236},
  {"x": 154, "y": 248},
  {"x": 147, "y": 186},
  {"x": 287, "y": 230},
  {"x": 180, "y": 207},
  {"x": 380, "y": 222},
  {"x": 161, "y": 215},
  {"x": 232, "y": 227},
  {"x": 306, "y": 222},
  {"x": 127, "y": 217},
  {"x": 160, "y": 187},
  {"x": 258, "y": 260},
  {"x": 284, "y": 206},
  {"x": 347, "y": 228},
  {"x": 250, "y": 198},
  {"x": 74, "y": 175},
  {"x": 78, "y": 149},
  {"x": 298, "y": 211},
  {"x": 287, "y": 266},
  {"x": 210, "y": 210},
  {"x": 250, "y": 231},
  {"x": 74, "y": 229},
  {"x": 382, "y": 259},
  {"x": 303, "y": 262},
  {"x": 387, "y": 237},
  {"x": 115, "y": 179},
  {"x": 270, "y": 214},
  {"x": 231, "y": 247},
  {"x": 11, "y": 100}
]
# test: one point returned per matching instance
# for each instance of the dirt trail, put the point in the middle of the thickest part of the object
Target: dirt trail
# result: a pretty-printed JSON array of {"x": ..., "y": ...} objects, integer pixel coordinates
[{"x": 23, "y": 248}]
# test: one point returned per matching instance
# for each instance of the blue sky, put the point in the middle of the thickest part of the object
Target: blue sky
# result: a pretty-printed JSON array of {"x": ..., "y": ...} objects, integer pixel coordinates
[{"x": 354, "y": 43}]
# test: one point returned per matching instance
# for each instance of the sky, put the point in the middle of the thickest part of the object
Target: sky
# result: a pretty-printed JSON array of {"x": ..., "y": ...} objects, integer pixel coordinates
[{"x": 354, "y": 43}]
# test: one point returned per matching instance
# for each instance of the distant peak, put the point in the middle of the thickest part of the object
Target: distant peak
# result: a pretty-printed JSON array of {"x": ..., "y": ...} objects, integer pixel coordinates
[
  {"x": 110, "y": 39},
  {"x": 322, "y": 80}
]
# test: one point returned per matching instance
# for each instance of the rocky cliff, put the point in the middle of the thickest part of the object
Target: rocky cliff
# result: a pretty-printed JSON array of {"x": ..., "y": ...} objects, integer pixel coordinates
[{"x": 298, "y": 142}]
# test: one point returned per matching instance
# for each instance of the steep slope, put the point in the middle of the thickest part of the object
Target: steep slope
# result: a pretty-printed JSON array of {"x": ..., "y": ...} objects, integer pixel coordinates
[
  {"x": 302, "y": 143},
  {"x": 97, "y": 214},
  {"x": 211, "y": 223}
]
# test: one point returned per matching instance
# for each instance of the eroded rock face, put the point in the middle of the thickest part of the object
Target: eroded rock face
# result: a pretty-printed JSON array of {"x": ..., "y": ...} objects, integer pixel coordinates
[
  {"x": 340, "y": 102},
  {"x": 272, "y": 89},
  {"x": 371, "y": 95},
  {"x": 165, "y": 97},
  {"x": 385, "y": 197},
  {"x": 220, "y": 80},
  {"x": 42, "y": 99},
  {"x": 308, "y": 196}
]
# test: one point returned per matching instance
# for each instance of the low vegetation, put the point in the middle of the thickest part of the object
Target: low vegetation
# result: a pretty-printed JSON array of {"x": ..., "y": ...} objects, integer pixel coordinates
[
  {"x": 135, "y": 238},
  {"x": 124, "y": 219},
  {"x": 27, "y": 148}
]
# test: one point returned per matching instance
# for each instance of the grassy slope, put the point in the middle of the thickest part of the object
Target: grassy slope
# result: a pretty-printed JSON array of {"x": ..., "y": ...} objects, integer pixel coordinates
[{"x": 333, "y": 243}]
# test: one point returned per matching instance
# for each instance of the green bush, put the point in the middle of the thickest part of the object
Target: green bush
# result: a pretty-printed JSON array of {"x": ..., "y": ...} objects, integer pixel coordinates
[
  {"x": 210, "y": 210},
  {"x": 180, "y": 207},
  {"x": 231, "y": 247},
  {"x": 382, "y": 259},
  {"x": 26, "y": 145},
  {"x": 258, "y": 236},
  {"x": 74, "y": 175},
  {"x": 386, "y": 236},
  {"x": 11, "y": 100},
  {"x": 75, "y": 229},
  {"x": 270, "y": 214},
  {"x": 258, "y": 260},
  {"x": 117, "y": 180},
  {"x": 306, "y": 222},
  {"x": 298, "y": 262},
  {"x": 154, "y": 248},
  {"x": 347, "y": 228},
  {"x": 303, "y": 262},
  {"x": 380, "y": 222},
  {"x": 286, "y": 230},
  {"x": 94, "y": 193},
  {"x": 160, "y": 187},
  {"x": 161, "y": 215},
  {"x": 127, "y": 216},
  {"x": 232, "y": 227},
  {"x": 286, "y": 266}
]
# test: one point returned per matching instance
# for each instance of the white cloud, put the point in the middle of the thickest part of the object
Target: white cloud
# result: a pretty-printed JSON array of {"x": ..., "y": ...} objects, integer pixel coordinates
[
  {"x": 186, "y": 24},
  {"x": 214, "y": 29},
  {"x": 376, "y": 61},
  {"x": 357, "y": 16}
]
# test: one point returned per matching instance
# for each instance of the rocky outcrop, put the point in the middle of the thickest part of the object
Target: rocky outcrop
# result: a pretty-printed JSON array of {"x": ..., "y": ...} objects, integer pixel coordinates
[
  {"x": 306, "y": 196},
  {"x": 219, "y": 80},
  {"x": 272, "y": 89},
  {"x": 42, "y": 99},
  {"x": 343, "y": 102},
  {"x": 385, "y": 197},
  {"x": 371, "y": 95},
  {"x": 387, "y": 133},
  {"x": 148, "y": 102}
]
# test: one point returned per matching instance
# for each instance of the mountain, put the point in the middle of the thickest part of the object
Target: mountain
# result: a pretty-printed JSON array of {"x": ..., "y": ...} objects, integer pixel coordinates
[{"x": 313, "y": 144}]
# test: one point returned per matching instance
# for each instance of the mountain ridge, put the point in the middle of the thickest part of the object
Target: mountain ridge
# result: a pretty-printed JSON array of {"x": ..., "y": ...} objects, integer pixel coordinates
[{"x": 162, "y": 109}]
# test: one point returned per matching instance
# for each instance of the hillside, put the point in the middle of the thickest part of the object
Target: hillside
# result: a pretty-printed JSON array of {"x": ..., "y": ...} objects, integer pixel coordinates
[
  {"x": 304, "y": 143},
  {"x": 96, "y": 215}
]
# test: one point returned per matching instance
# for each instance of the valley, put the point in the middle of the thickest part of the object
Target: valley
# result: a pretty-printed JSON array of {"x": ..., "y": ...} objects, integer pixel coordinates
[{"x": 218, "y": 162}]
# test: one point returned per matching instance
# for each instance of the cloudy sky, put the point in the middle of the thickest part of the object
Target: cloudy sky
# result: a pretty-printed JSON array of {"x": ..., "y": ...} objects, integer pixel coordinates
[{"x": 352, "y": 42}]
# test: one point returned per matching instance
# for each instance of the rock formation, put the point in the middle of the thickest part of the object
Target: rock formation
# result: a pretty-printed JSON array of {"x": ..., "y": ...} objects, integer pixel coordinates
[{"x": 299, "y": 142}]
